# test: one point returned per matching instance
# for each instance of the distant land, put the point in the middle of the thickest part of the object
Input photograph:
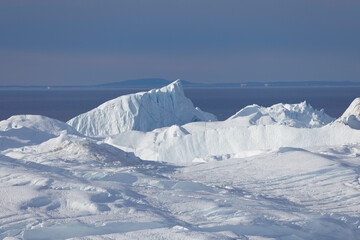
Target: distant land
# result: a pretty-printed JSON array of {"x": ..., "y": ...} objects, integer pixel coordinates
[{"x": 160, "y": 82}]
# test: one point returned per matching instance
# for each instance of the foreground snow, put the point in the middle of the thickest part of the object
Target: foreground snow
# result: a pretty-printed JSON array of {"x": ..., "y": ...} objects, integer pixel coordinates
[
  {"x": 285, "y": 194},
  {"x": 294, "y": 177}
]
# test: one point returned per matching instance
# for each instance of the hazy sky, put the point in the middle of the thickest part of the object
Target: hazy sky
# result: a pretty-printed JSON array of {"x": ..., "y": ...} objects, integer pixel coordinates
[{"x": 98, "y": 41}]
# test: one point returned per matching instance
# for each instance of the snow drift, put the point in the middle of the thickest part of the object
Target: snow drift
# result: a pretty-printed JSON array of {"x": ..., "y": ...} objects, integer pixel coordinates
[
  {"x": 351, "y": 116},
  {"x": 142, "y": 111},
  {"x": 294, "y": 115}
]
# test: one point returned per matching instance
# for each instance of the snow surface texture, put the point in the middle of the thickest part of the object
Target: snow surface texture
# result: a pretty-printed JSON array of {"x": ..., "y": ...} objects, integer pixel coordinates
[
  {"x": 294, "y": 115},
  {"x": 142, "y": 111},
  {"x": 351, "y": 116},
  {"x": 231, "y": 180}
]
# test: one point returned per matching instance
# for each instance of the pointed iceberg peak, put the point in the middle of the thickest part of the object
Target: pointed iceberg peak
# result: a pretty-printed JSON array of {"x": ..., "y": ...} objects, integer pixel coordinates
[
  {"x": 354, "y": 107},
  {"x": 175, "y": 86},
  {"x": 176, "y": 83},
  {"x": 351, "y": 116},
  {"x": 302, "y": 105},
  {"x": 142, "y": 111}
]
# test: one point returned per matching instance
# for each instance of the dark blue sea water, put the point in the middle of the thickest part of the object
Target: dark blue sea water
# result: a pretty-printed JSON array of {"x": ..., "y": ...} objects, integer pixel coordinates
[{"x": 223, "y": 102}]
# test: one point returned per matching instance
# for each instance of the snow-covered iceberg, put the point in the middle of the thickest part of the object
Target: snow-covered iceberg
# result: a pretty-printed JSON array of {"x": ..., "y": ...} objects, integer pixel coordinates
[
  {"x": 203, "y": 140},
  {"x": 36, "y": 123},
  {"x": 142, "y": 111},
  {"x": 72, "y": 149},
  {"x": 295, "y": 115},
  {"x": 23, "y": 130},
  {"x": 351, "y": 116}
]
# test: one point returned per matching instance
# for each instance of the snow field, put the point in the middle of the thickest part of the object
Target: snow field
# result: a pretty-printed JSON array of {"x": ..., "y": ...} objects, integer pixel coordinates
[{"x": 289, "y": 193}]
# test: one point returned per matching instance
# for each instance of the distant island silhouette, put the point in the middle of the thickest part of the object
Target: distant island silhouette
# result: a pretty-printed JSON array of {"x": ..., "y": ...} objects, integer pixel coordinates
[{"x": 147, "y": 83}]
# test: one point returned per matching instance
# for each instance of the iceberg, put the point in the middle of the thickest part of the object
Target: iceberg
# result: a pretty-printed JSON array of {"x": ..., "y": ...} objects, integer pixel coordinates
[
  {"x": 73, "y": 149},
  {"x": 203, "y": 140},
  {"x": 142, "y": 111},
  {"x": 36, "y": 123},
  {"x": 351, "y": 116},
  {"x": 24, "y": 130},
  {"x": 300, "y": 115}
]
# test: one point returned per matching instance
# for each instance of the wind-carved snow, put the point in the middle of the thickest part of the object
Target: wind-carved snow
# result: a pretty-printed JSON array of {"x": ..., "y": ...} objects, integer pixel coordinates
[
  {"x": 142, "y": 111},
  {"x": 300, "y": 115},
  {"x": 351, "y": 116}
]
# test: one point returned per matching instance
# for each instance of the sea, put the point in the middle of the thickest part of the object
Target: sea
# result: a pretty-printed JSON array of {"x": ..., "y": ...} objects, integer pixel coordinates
[{"x": 64, "y": 104}]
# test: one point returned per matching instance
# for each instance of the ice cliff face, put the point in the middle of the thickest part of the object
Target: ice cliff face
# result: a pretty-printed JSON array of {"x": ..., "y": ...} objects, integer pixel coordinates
[
  {"x": 351, "y": 116},
  {"x": 142, "y": 111},
  {"x": 300, "y": 115}
]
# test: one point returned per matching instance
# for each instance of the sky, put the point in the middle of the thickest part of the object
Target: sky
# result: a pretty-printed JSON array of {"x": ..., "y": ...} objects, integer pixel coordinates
[{"x": 79, "y": 42}]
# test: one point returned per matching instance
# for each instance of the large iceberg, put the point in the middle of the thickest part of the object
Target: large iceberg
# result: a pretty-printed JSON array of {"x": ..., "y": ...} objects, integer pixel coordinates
[
  {"x": 142, "y": 111},
  {"x": 351, "y": 116},
  {"x": 300, "y": 115},
  {"x": 203, "y": 140}
]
